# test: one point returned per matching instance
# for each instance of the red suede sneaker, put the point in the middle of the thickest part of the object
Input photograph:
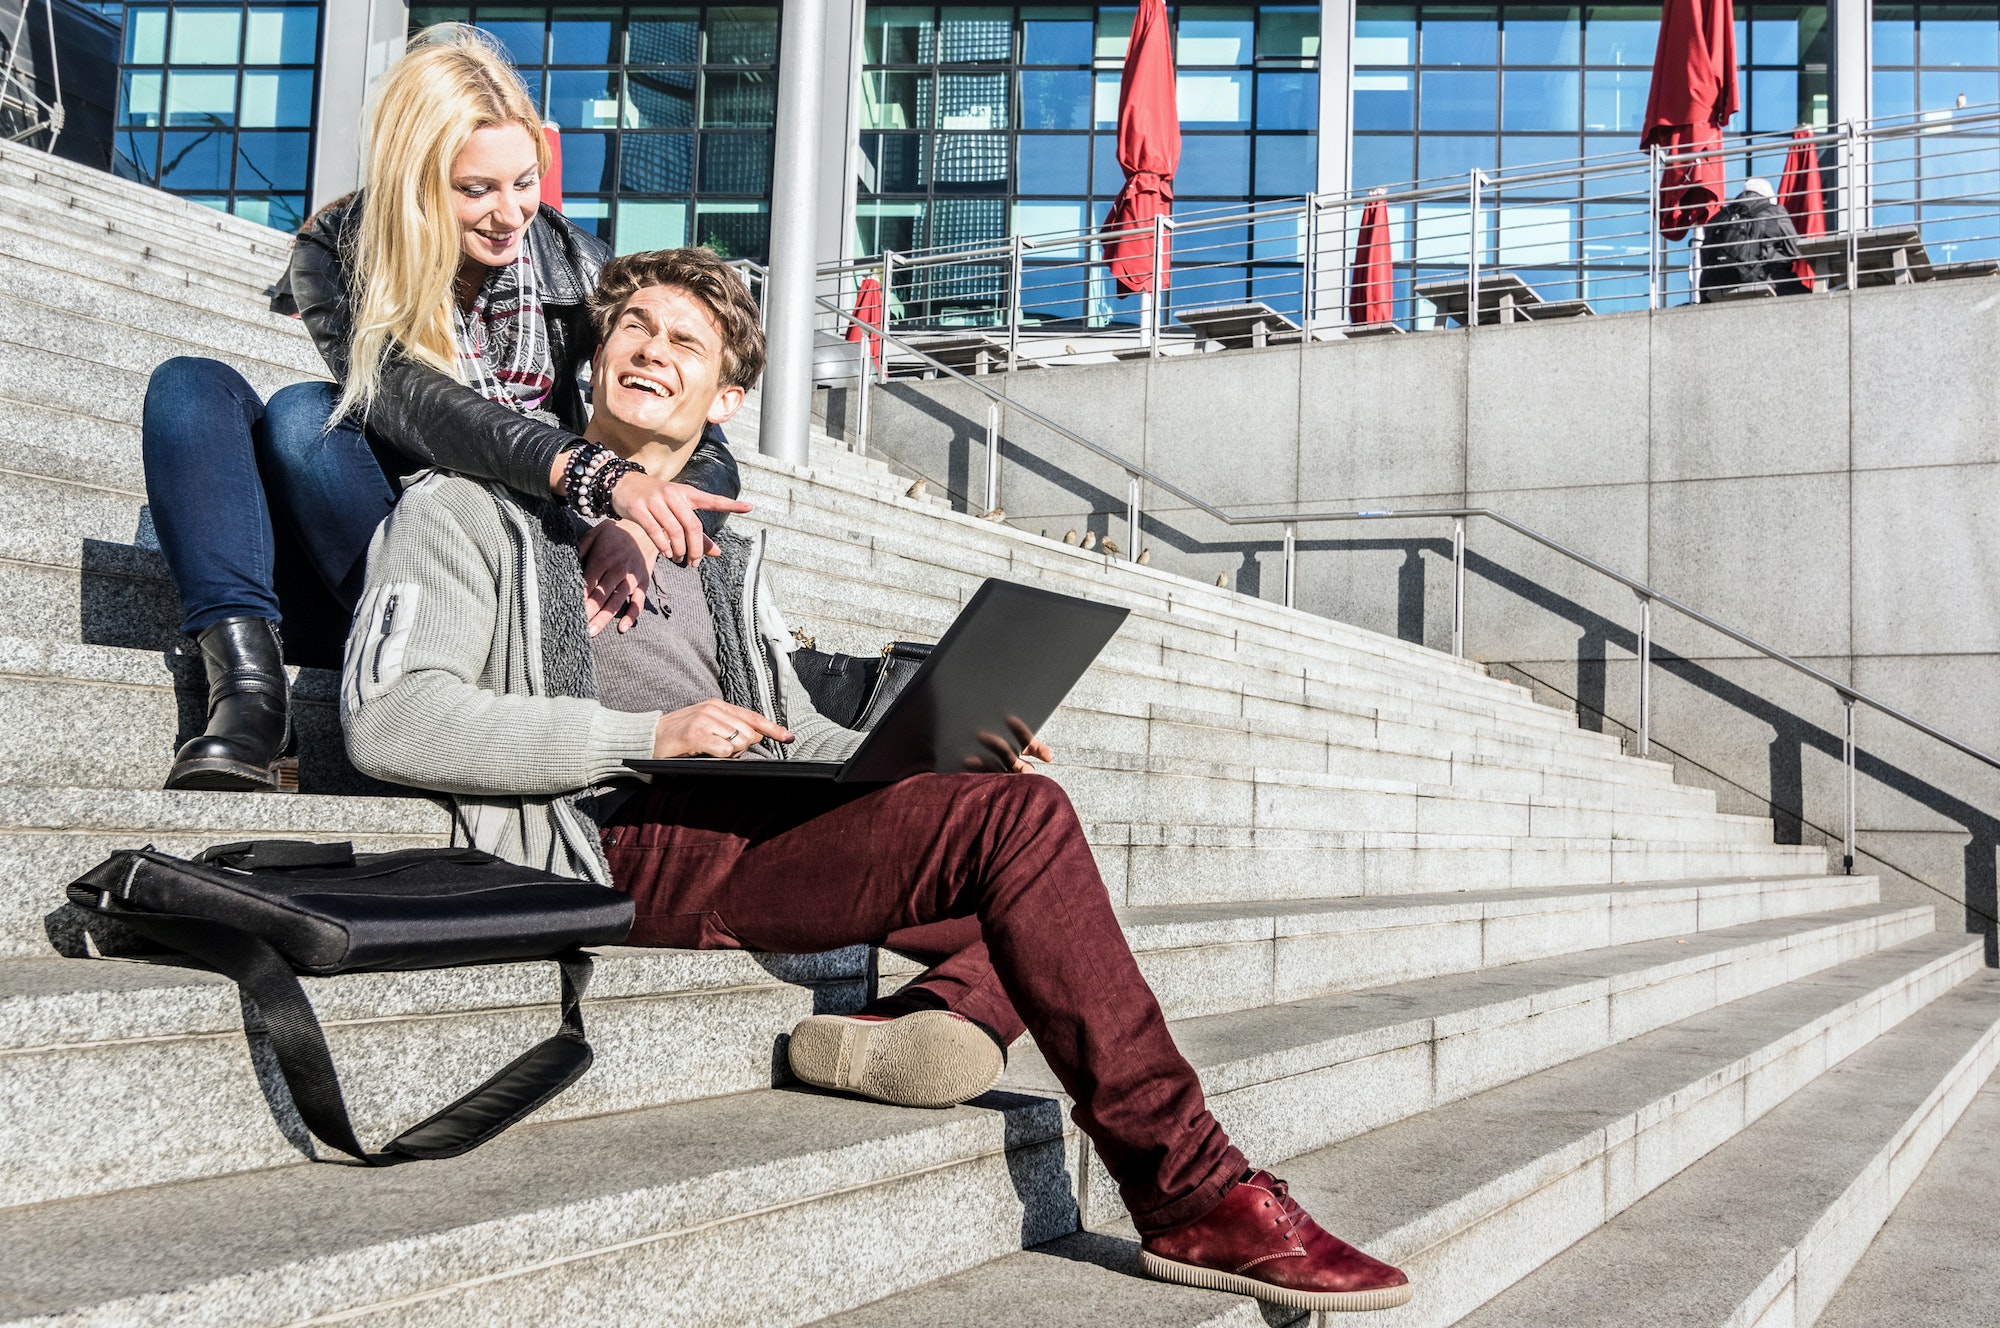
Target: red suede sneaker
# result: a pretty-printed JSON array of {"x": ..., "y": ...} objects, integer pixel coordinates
[{"x": 1258, "y": 1241}]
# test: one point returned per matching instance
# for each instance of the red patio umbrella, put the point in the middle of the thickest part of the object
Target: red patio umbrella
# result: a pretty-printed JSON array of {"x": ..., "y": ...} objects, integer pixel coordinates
[
  {"x": 868, "y": 308},
  {"x": 1149, "y": 150},
  {"x": 552, "y": 178},
  {"x": 1799, "y": 191},
  {"x": 1693, "y": 94},
  {"x": 1370, "y": 292}
]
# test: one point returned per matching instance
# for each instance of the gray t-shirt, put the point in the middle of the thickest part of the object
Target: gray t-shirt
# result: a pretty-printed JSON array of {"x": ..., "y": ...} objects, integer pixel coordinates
[{"x": 667, "y": 660}]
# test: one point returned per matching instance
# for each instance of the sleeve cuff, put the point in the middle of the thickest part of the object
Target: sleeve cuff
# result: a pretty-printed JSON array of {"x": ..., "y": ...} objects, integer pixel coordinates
[{"x": 618, "y": 736}]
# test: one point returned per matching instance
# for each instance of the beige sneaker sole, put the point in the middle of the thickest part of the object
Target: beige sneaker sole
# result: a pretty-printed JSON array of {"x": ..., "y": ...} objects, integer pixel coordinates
[
  {"x": 1386, "y": 1298},
  {"x": 927, "y": 1059}
]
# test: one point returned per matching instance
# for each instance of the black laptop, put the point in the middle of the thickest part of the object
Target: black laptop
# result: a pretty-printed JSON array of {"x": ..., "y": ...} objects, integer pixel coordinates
[{"x": 1008, "y": 660}]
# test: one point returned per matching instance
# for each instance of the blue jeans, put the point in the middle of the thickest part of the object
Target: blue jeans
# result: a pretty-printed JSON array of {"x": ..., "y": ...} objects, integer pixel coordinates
[{"x": 262, "y": 511}]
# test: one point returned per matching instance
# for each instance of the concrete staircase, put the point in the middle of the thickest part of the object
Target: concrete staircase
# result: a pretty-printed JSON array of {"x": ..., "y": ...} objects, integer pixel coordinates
[{"x": 1504, "y": 1004}]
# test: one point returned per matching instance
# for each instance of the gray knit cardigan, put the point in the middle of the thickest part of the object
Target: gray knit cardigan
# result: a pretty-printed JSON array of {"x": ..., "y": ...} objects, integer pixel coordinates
[{"x": 468, "y": 670}]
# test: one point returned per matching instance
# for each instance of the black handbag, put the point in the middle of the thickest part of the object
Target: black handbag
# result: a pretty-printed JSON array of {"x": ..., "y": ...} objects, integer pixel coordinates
[
  {"x": 264, "y": 911},
  {"x": 854, "y": 690}
]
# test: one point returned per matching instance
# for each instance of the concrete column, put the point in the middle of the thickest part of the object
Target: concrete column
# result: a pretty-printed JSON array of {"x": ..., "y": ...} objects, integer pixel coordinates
[
  {"x": 1848, "y": 77},
  {"x": 789, "y": 308},
  {"x": 839, "y": 130},
  {"x": 1336, "y": 104},
  {"x": 358, "y": 40}
]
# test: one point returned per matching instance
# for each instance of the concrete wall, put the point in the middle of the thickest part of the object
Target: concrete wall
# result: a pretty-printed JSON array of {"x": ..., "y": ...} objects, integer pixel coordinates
[{"x": 1822, "y": 473}]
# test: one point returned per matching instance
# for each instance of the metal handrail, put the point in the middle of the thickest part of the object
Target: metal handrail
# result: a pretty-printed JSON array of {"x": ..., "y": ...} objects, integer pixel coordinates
[{"x": 1138, "y": 475}]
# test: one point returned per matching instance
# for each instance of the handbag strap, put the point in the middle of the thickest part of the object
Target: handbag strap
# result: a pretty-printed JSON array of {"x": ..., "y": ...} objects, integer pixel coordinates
[{"x": 504, "y": 1099}]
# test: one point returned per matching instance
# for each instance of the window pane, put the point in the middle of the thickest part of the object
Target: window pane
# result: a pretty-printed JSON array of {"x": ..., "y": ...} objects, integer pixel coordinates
[
  {"x": 1895, "y": 36},
  {"x": 584, "y": 98},
  {"x": 1114, "y": 34},
  {"x": 1454, "y": 99},
  {"x": 1216, "y": 36},
  {"x": 1385, "y": 35},
  {"x": 423, "y": 16},
  {"x": 746, "y": 100},
  {"x": 970, "y": 164},
  {"x": 1213, "y": 99},
  {"x": 1055, "y": 100},
  {"x": 1287, "y": 34},
  {"x": 1452, "y": 154},
  {"x": 1540, "y": 100},
  {"x": 976, "y": 36},
  {"x": 1055, "y": 36},
  {"x": 1105, "y": 114},
  {"x": 744, "y": 36},
  {"x": 896, "y": 100},
  {"x": 1543, "y": 36},
  {"x": 972, "y": 101},
  {"x": 281, "y": 37},
  {"x": 1385, "y": 101},
  {"x": 1537, "y": 235},
  {"x": 139, "y": 97},
  {"x": 1055, "y": 164},
  {"x": 1539, "y": 151},
  {"x": 277, "y": 98},
  {"x": 656, "y": 163},
  {"x": 1941, "y": 88},
  {"x": 1382, "y": 159},
  {"x": 145, "y": 36},
  {"x": 882, "y": 226},
  {"x": 136, "y": 156},
  {"x": 1621, "y": 36},
  {"x": 736, "y": 163},
  {"x": 589, "y": 214},
  {"x": 1107, "y": 177},
  {"x": 1894, "y": 93},
  {"x": 285, "y": 212},
  {"x": 1614, "y": 101},
  {"x": 586, "y": 163},
  {"x": 1213, "y": 164},
  {"x": 1955, "y": 37},
  {"x": 1287, "y": 166},
  {"x": 1287, "y": 101},
  {"x": 643, "y": 226},
  {"x": 901, "y": 161},
  {"x": 1050, "y": 218},
  {"x": 1461, "y": 35},
  {"x": 659, "y": 98},
  {"x": 734, "y": 230},
  {"x": 206, "y": 36},
  {"x": 523, "y": 32},
  {"x": 275, "y": 162},
  {"x": 1774, "y": 99},
  {"x": 583, "y": 37},
  {"x": 202, "y": 99},
  {"x": 195, "y": 161},
  {"x": 663, "y": 37},
  {"x": 1773, "y": 41},
  {"x": 899, "y": 36}
]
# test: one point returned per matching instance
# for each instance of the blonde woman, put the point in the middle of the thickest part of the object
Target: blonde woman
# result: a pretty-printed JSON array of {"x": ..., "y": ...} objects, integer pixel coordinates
[{"x": 450, "y": 307}]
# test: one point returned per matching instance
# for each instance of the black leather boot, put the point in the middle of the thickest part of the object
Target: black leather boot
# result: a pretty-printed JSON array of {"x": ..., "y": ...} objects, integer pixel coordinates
[{"x": 248, "y": 745}]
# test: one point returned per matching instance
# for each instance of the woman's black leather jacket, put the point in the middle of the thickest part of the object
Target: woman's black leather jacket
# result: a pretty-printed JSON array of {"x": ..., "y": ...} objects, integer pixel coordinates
[{"x": 435, "y": 420}]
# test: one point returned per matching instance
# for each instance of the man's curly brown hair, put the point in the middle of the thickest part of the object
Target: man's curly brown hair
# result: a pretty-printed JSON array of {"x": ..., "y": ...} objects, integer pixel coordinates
[{"x": 703, "y": 274}]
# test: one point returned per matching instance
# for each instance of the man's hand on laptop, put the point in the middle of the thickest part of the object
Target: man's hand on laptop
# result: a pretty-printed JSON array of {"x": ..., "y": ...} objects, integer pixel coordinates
[
  {"x": 617, "y": 571},
  {"x": 670, "y": 514},
  {"x": 1011, "y": 758},
  {"x": 712, "y": 728}
]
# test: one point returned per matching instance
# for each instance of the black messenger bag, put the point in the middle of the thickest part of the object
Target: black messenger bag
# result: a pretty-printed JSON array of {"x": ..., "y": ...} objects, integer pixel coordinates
[
  {"x": 264, "y": 911},
  {"x": 854, "y": 690}
]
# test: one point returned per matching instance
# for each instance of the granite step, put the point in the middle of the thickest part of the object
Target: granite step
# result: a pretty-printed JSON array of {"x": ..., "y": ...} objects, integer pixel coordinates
[
  {"x": 1469, "y": 1196},
  {"x": 102, "y": 367},
  {"x": 121, "y": 239},
  {"x": 168, "y": 1043},
  {"x": 130, "y": 198},
  {"x": 1764, "y": 1229},
  {"x": 202, "y": 238}
]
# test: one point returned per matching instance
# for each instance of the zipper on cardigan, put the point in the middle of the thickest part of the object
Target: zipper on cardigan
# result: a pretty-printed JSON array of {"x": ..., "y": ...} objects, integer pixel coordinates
[{"x": 388, "y": 620}]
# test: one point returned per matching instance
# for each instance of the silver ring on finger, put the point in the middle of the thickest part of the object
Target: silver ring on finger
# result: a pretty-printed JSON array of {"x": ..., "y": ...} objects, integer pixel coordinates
[{"x": 731, "y": 736}]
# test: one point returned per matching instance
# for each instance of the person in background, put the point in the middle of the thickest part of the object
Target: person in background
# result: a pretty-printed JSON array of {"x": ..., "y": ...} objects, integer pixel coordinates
[
  {"x": 1750, "y": 243},
  {"x": 449, "y": 306}
]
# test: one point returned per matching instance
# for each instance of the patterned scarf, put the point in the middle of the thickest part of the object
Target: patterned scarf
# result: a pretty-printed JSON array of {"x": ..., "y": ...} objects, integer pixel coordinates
[{"x": 503, "y": 343}]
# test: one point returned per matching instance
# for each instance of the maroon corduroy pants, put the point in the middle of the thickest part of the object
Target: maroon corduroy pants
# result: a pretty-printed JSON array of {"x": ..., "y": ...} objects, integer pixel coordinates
[{"x": 795, "y": 867}]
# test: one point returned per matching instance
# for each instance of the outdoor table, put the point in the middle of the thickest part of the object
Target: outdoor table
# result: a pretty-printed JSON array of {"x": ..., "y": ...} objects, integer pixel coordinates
[
  {"x": 1883, "y": 256},
  {"x": 976, "y": 353},
  {"x": 1503, "y": 298},
  {"x": 1240, "y": 325}
]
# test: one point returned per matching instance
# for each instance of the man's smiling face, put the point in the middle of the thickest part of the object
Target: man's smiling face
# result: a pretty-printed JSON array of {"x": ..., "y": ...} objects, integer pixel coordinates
[{"x": 658, "y": 376}]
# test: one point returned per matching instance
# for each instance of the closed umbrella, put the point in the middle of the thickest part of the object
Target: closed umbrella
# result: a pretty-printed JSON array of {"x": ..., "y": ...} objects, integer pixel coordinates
[
  {"x": 1799, "y": 191},
  {"x": 1149, "y": 150},
  {"x": 552, "y": 178},
  {"x": 1693, "y": 94},
  {"x": 1370, "y": 292},
  {"x": 868, "y": 308}
]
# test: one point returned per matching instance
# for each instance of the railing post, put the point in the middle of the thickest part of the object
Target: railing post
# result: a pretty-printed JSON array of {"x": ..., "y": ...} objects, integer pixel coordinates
[
  {"x": 1472, "y": 250},
  {"x": 992, "y": 455},
  {"x": 1847, "y": 756},
  {"x": 1308, "y": 265},
  {"x": 1132, "y": 518},
  {"x": 1645, "y": 676},
  {"x": 1654, "y": 295},
  {"x": 1857, "y": 191},
  {"x": 861, "y": 380},
  {"x": 888, "y": 303},
  {"x": 1458, "y": 588},
  {"x": 1291, "y": 563},
  {"x": 1014, "y": 306},
  {"x": 1155, "y": 309}
]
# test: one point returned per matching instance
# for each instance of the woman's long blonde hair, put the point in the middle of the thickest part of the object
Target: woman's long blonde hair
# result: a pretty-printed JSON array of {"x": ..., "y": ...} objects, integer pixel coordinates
[{"x": 452, "y": 81}]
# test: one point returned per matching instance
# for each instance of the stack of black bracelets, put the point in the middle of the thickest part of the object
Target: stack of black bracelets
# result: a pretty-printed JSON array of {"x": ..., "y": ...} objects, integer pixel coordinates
[{"x": 593, "y": 471}]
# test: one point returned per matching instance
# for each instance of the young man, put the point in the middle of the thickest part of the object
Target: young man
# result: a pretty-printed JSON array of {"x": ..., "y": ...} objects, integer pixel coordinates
[{"x": 475, "y": 669}]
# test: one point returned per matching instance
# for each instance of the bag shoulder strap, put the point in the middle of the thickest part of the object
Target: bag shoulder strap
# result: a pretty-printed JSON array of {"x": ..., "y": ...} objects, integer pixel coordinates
[{"x": 508, "y": 1096}]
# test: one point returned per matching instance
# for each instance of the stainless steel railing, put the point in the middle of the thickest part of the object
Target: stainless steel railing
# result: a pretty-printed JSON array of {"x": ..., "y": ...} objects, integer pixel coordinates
[{"x": 1139, "y": 477}]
